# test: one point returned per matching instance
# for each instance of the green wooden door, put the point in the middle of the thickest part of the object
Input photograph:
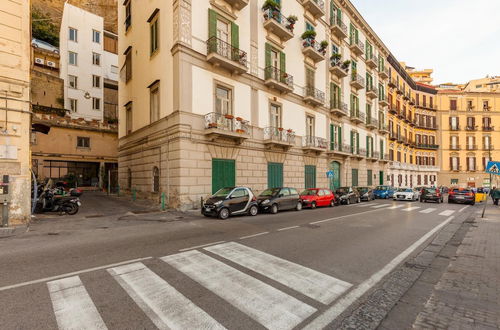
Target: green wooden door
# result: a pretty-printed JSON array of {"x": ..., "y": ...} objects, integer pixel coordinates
[
  {"x": 370, "y": 177},
  {"x": 223, "y": 174},
  {"x": 335, "y": 181},
  {"x": 381, "y": 178},
  {"x": 354, "y": 177},
  {"x": 310, "y": 176},
  {"x": 274, "y": 175}
]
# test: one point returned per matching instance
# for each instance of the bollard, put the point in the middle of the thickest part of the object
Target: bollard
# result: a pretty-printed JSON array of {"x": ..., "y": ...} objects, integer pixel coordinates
[
  {"x": 134, "y": 194},
  {"x": 163, "y": 201}
]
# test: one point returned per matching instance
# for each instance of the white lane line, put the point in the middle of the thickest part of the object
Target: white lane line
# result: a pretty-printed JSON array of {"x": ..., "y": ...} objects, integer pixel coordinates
[
  {"x": 263, "y": 303},
  {"x": 338, "y": 308},
  {"x": 428, "y": 210},
  {"x": 73, "y": 306},
  {"x": 380, "y": 206},
  {"x": 342, "y": 216},
  {"x": 369, "y": 204},
  {"x": 254, "y": 235},
  {"x": 52, "y": 278},
  {"x": 411, "y": 208},
  {"x": 288, "y": 228},
  {"x": 447, "y": 213},
  {"x": 463, "y": 208},
  {"x": 165, "y": 306},
  {"x": 395, "y": 207},
  {"x": 200, "y": 246},
  {"x": 309, "y": 282}
]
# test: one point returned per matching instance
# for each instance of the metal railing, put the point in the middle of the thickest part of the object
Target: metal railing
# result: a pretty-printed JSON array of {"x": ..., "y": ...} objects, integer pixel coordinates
[
  {"x": 455, "y": 147},
  {"x": 310, "y": 42},
  {"x": 471, "y": 128},
  {"x": 357, "y": 43},
  {"x": 314, "y": 93},
  {"x": 279, "y": 135},
  {"x": 382, "y": 126},
  {"x": 471, "y": 147},
  {"x": 372, "y": 121},
  {"x": 455, "y": 128},
  {"x": 320, "y": 4},
  {"x": 488, "y": 147},
  {"x": 427, "y": 146},
  {"x": 339, "y": 105},
  {"x": 314, "y": 142},
  {"x": 488, "y": 128},
  {"x": 226, "y": 50},
  {"x": 274, "y": 73},
  {"x": 372, "y": 89},
  {"x": 338, "y": 63},
  {"x": 336, "y": 21},
  {"x": 357, "y": 115},
  {"x": 278, "y": 17},
  {"x": 357, "y": 79},
  {"x": 226, "y": 123}
]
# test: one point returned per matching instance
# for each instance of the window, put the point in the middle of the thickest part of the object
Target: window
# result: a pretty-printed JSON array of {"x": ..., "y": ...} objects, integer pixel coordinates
[
  {"x": 309, "y": 26},
  {"x": 454, "y": 163},
  {"x": 72, "y": 58},
  {"x": 275, "y": 116},
  {"x": 96, "y": 103},
  {"x": 310, "y": 126},
  {"x": 73, "y": 34},
  {"x": 486, "y": 142},
  {"x": 127, "y": 66},
  {"x": 156, "y": 179},
  {"x": 224, "y": 31},
  {"x": 454, "y": 123},
  {"x": 153, "y": 33},
  {"x": 96, "y": 59},
  {"x": 73, "y": 81},
  {"x": 471, "y": 163},
  {"x": 82, "y": 142},
  {"x": 96, "y": 81},
  {"x": 486, "y": 105},
  {"x": 96, "y": 36},
  {"x": 73, "y": 105},
  {"x": 154, "y": 102},
  {"x": 470, "y": 107},
  {"x": 128, "y": 14},
  {"x": 128, "y": 117},
  {"x": 223, "y": 100},
  {"x": 453, "y": 104},
  {"x": 353, "y": 35}
]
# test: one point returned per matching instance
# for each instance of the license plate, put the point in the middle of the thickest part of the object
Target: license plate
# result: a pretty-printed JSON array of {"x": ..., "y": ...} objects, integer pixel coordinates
[
  {"x": 460, "y": 197},
  {"x": 207, "y": 209}
]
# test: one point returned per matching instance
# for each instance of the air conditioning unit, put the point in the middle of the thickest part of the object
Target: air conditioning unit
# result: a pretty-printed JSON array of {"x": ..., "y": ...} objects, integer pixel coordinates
[
  {"x": 51, "y": 64},
  {"x": 39, "y": 60}
]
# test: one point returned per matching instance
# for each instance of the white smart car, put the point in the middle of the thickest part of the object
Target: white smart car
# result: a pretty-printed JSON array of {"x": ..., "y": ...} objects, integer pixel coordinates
[{"x": 406, "y": 194}]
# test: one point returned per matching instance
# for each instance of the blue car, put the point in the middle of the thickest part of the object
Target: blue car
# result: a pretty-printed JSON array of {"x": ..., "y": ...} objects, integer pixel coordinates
[{"x": 384, "y": 192}]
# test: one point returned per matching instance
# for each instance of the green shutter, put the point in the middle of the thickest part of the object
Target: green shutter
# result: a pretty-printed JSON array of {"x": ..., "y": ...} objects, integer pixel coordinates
[
  {"x": 352, "y": 142},
  {"x": 371, "y": 144},
  {"x": 282, "y": 62},
  {"x": 370, "y": 178},
  {"x": 357, "y": 143},
  {"x": 223, "y": 174},
  {"x": 381, "y": 177},
  {"x": 340, "y": 141},
  {"x": 212, "y": 23},
  {"x": 354, "y": 177},
  {"x": 381, "y": 149},
  {"x": 310, "y": 176},
  {"x": 367, "y": 145},
  {"x": 274, "y": 175},
  {"x": 268, "y": 55},
  {"x": 332, "y": 137},
  {"x": 235, "y": 35}
]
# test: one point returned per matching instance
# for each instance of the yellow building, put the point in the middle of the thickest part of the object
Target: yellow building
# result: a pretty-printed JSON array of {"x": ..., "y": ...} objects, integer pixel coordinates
[
  {"x": 421, "y": 76},
  {"x": 468, "y": 118},
  {"x": 15, "y": 109}
]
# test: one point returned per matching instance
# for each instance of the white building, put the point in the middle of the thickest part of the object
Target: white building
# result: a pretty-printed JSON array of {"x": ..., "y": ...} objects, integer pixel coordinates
[{"x": 84, "y": 62}]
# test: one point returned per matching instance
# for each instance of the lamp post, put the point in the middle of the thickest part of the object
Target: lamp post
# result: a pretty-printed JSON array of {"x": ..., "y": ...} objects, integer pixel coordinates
[{"x": 491, "y": 179}]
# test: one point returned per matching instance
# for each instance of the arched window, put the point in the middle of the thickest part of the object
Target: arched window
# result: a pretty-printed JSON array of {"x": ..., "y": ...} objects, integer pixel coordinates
[
  {"x": 129, "y": 179},
  {"x": 156, "y": 179}
]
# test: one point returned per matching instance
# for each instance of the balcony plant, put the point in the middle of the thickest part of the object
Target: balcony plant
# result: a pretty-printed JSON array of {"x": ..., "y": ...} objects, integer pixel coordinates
[
  {"x": 240, "y": 131},
  {"x": 271, "y": 5},
  {"x": 346, "y": 64},
  {"x": 228, "y": 116},
  {"x": 292, "y": 19},
  {"x": 239, "y": 119},
  {"x": 212, "y": 125},
  {"x": 309, "y": 35}
]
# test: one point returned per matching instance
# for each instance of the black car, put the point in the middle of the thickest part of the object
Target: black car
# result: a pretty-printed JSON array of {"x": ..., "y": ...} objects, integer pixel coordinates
[
  {"x": 431, "y": 194},
  {"x": 230, "y": 201},
  {"x": 466, "y": 196},
  {"x": 347, "y": 195},
  {"x": 366, "y": 193},
  {"x": 279, "y": 199}
]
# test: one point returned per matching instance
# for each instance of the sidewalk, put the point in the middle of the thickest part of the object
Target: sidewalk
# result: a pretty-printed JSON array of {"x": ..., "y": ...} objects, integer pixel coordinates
[{"x": 467, "y": 295}]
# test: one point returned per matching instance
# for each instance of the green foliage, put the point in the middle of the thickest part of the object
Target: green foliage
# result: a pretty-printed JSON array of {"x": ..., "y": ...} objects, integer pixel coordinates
[
  {"x": 324, "y": 44},
  {"x": 43, "y": 29},
  {"x": 271, "y": 4},
  {"x": 309, "y": 34},
  {"x": 292, "y": 19}
]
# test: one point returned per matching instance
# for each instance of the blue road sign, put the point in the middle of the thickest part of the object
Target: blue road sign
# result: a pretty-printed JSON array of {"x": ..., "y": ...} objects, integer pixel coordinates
[
  {"x": 329, "y": 174},
  {"x": 493, "y": 168}
]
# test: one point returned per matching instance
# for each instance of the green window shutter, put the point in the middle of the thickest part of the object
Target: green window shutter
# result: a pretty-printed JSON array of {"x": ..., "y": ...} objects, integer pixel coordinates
[
  {"x": 371, "y": 144},
  {"x": 370, "y": 177},
  {"x": 268, "y": 55},
  {"x": 354, "y": 177},
  {"x": 367, "y": 145},
  {"x": 274, "y": 175},
  {"x": 352, "y": 142},
  {"x": 351, "y": 33},
  {"x": 310, "y": 176},
  {"x": 339, "y": 139},
  {"x": 381, "y": 149},
  {"x": 357, "y": 143},
  {"x": 283, "y": 62},
  {"x": 332, "y": 137},
  {"x": 235, "y": 35},
  {"x": 212, "y": 23}
]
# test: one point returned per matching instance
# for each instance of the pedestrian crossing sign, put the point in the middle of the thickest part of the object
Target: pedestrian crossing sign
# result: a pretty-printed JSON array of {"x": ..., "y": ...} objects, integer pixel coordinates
[{"x": 493, "y": 168}]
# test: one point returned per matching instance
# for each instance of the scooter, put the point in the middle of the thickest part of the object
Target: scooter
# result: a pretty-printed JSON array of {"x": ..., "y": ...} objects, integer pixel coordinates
[{"x": 49, "y": 202}]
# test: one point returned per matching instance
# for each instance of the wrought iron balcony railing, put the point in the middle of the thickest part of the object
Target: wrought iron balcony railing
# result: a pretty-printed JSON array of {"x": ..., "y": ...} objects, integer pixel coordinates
[
  {"x": 226, "y": 122},
  {"x": 314, "y": 142},
  {"x": 226, "y": 50},
  {"x": 279, "y": 135},
  {"x": 274, "y": 73}
]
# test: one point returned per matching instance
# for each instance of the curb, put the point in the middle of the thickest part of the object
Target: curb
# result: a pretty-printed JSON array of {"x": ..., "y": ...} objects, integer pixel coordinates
[{"x": 12, "y": 231}]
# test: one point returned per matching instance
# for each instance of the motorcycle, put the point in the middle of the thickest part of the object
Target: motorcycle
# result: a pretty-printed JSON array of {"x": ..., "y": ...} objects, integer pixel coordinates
[{"x": 50, "y": 202}]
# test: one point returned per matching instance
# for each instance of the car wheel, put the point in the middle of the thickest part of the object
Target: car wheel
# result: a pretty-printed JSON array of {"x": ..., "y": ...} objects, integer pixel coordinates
[
  {"x": 298, "y": 207},
  {"x": 223, "y": 213},
  {"x": 313, "y": 205},
  {"x": 332, "y": 203},
  {"x": 274, "y": 209},
  {"x": 253, "y": 210}
]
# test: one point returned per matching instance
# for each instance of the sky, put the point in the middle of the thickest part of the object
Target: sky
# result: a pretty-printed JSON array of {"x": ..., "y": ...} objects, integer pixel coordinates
[{"x": 458, "y": 39}]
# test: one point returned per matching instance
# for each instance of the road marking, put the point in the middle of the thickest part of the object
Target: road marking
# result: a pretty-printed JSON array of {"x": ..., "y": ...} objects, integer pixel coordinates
[
  {"x": 165, "y": 306},
  {"x": 395, "y": 207},
  {"x": 342, "y": 216},
  {"x": 288, "y": 228},
  {"x": 309, "y": 282},
  {"x": 463, "y": 208},
  {"x": 200, "y": 246},
  {"x": 369, "y": 204},
  {"x": 73, "y": 306},
  {"x": 411, "y": 208},
  {"x": 254, "y": 235},
  {"x": 428, "y": 210},
  {"x": 263, "y": 303},
  {"x": 52, "y": 278},
  {"x": 380, "y": 206},
  {"x": 338, "y": 308},
  {"x": 447, "y": 213}
]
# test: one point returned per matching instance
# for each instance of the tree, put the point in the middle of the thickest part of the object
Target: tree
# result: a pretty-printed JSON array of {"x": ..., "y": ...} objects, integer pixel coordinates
[{"x": 43, "y": 29}]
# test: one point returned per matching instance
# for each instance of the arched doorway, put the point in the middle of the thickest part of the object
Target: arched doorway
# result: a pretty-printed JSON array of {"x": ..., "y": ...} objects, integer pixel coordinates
[{"x": 335, "y": 181}]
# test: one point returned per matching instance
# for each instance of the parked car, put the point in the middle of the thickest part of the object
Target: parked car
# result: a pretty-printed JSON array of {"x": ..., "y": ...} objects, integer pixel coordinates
[
  {"x": 44, "y": 45},
  {"x": 466, "y": 196},
  {"x": 318, "y": 197},
  {"x": 406, "y": 194},
  {"x": 230, "y": 201},
  {"x": 365, "y": 193},
  {"x": 347, "y": 195},
  {"x": 384, "y": 192},
  {"x": 431, "y": 194},
  {"x": 279, "y": 199}
]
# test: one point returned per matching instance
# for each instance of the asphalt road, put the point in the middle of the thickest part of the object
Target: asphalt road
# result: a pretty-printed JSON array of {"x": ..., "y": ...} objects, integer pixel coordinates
[{"x": 284, "y": 271}]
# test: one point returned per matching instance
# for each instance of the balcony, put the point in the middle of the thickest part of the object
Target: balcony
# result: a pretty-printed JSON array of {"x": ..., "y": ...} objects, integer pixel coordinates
[
  {"x": 470, "y": 128},
  {"x": 382, "y": 101},
  {"x": 278, "y": 137},
  {"x": 357, "y": 81},
  {"x": 357, "y": 117},
  {"x": 371, "y": 123},
  {"x": 455, "y": 147},
  {"x": 339, "y": 69},
  {"x": 338, "y": 108},
  {"x": 383, "y": 73},
  {"x": 339, "y": 149},
  {"x": 392, "y": 82},
  {"x": 456, "y": 168},
  {"x": 384, "y": 158},
  {"x": 383, "y": 129},
  {"x": 374, "y": 156},
  {"x": 315, "y": 7},
  {"x": 314, "y": 144},
  {"x": 314, "y": 96},
  {"x": 393, "y": 136},
  {"x": 455, "y": 128},
  {"x": 471, "y": 147},
  {"x": 412, "y": 101},
  {"x": 218, "y": 125},
  {"x": 338, "y": 28},
  {"x": 312, "y": 49},
  {"x": 372, "y": 62},
  {"x": 278, "y": 24},
  {"x": 488, "y": 128},
  {"x": 279, "y": 80},
  {"x": 357, "y": 47},
  {"x": 238, "y": 4},
  {"x": 222, "y": 54},
  {"x": 400, "y": 139},
  {"x": 360, "y": 153},
  {"x": 488, "y": 147},
  {"x": 371, "y": 92},
  {"x": 393, "y": 109},
  {"x": 427, "y": 146}
]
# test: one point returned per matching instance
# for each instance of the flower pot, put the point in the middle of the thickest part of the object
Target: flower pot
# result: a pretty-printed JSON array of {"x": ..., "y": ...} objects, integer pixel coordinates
[
  {"x": 229, "y": 116},
  {"x": 240, "y": 131},
  {"x": 239, "y": 119},
  {"x": 280, "y": 129},
  {"x": 212, "y": 125}
]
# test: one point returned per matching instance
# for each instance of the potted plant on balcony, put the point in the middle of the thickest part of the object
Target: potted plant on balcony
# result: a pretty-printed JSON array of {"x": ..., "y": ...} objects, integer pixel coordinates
[
  {"x": 292, "y": 19},
  {"x": 309, "y": 38},
  {"x": 228, "y": 116},
  {"x": 335, "y": 58},
  {"x": 240, "y": 131},
  {"x": 323, "y": 46},
  {"x": 271, "y": 9},
  {"x": 239, "y": 119},
  {"x": 212, "y": 125}
]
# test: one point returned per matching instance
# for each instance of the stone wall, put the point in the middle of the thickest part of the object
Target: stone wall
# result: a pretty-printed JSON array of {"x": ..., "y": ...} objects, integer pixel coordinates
[{"x": 46, "y": 90}]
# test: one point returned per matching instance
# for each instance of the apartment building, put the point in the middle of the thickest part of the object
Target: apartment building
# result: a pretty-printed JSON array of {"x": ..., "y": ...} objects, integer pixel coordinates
[
  {"x": 468, "y": 117},
  {"x": 15, "y": 125}
]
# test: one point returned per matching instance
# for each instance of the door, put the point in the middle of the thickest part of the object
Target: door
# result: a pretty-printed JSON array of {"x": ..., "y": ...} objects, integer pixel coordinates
[
  {"x": 224, "y": 35},
  {"x": 354, "y": 177},
  {"x": 310, "y": 176},
  {"x": 275, "y": 116},
  {"x": 285, "y": 200},
  {"x": 370, "y": 178},
  {"x": 223, "y": 174},
  {"x": 238, "y": 200},
  {"x": 275, "y": 63},
  {"x": 381, "y": 178},
  {"x": 335, "y": 181},
  {"x": 274, "y": 175}
]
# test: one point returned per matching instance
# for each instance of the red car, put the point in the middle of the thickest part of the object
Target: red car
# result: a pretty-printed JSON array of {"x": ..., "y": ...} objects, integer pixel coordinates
[{"x": 314, "y": 197}]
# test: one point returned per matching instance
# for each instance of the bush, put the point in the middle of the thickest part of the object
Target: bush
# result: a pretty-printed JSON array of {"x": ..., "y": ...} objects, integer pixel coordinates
[
  {"x": 43, "y": 29},
  {"x": 309, "y": 34}
]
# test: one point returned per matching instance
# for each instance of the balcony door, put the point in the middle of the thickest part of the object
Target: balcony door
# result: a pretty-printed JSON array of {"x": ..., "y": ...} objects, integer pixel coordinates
[
  {"x": 275, "y": 116},
  {"x": 224, "y": 35},
  {"x": 310, "y": 127},
  {"x": 223, "y": 101}
]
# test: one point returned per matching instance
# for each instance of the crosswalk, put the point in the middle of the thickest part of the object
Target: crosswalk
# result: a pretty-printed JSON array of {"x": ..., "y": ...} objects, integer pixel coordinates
[
  {"x": 405, "y": 208},
  {"x": 220, "y": 269}
]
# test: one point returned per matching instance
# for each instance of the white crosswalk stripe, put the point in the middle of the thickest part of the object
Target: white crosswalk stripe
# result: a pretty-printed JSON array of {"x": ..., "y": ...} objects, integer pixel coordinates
[
  {"x": 73, "y": 306},
  {"x": 165, "y": 306},
  {"x": 380, "y": 206},
  {"x": 447, "y": 213},
  {"x": 428, "y": 210},
  {"x": 411, "y": 208},
  {"x": 396, "y": 207},
  {"x": 311, "y": 283},
  {"x": 365, "y": 205},
  {"x": 265, "y": 304}
]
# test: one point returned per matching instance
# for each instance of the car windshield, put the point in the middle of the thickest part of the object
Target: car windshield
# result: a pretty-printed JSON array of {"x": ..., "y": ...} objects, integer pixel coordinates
[
  {"x": 362, "y": 190},
  {"x": 430, "y": 190},
  {"x": 269, "y": 192},
  {"x": 309, "y": 192},
  {"x": 342, "y": 190},
  {"x": 223, "y": 192},
  {"x": 405, "y": 190},
  {"x": 381, "y": 188}
]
